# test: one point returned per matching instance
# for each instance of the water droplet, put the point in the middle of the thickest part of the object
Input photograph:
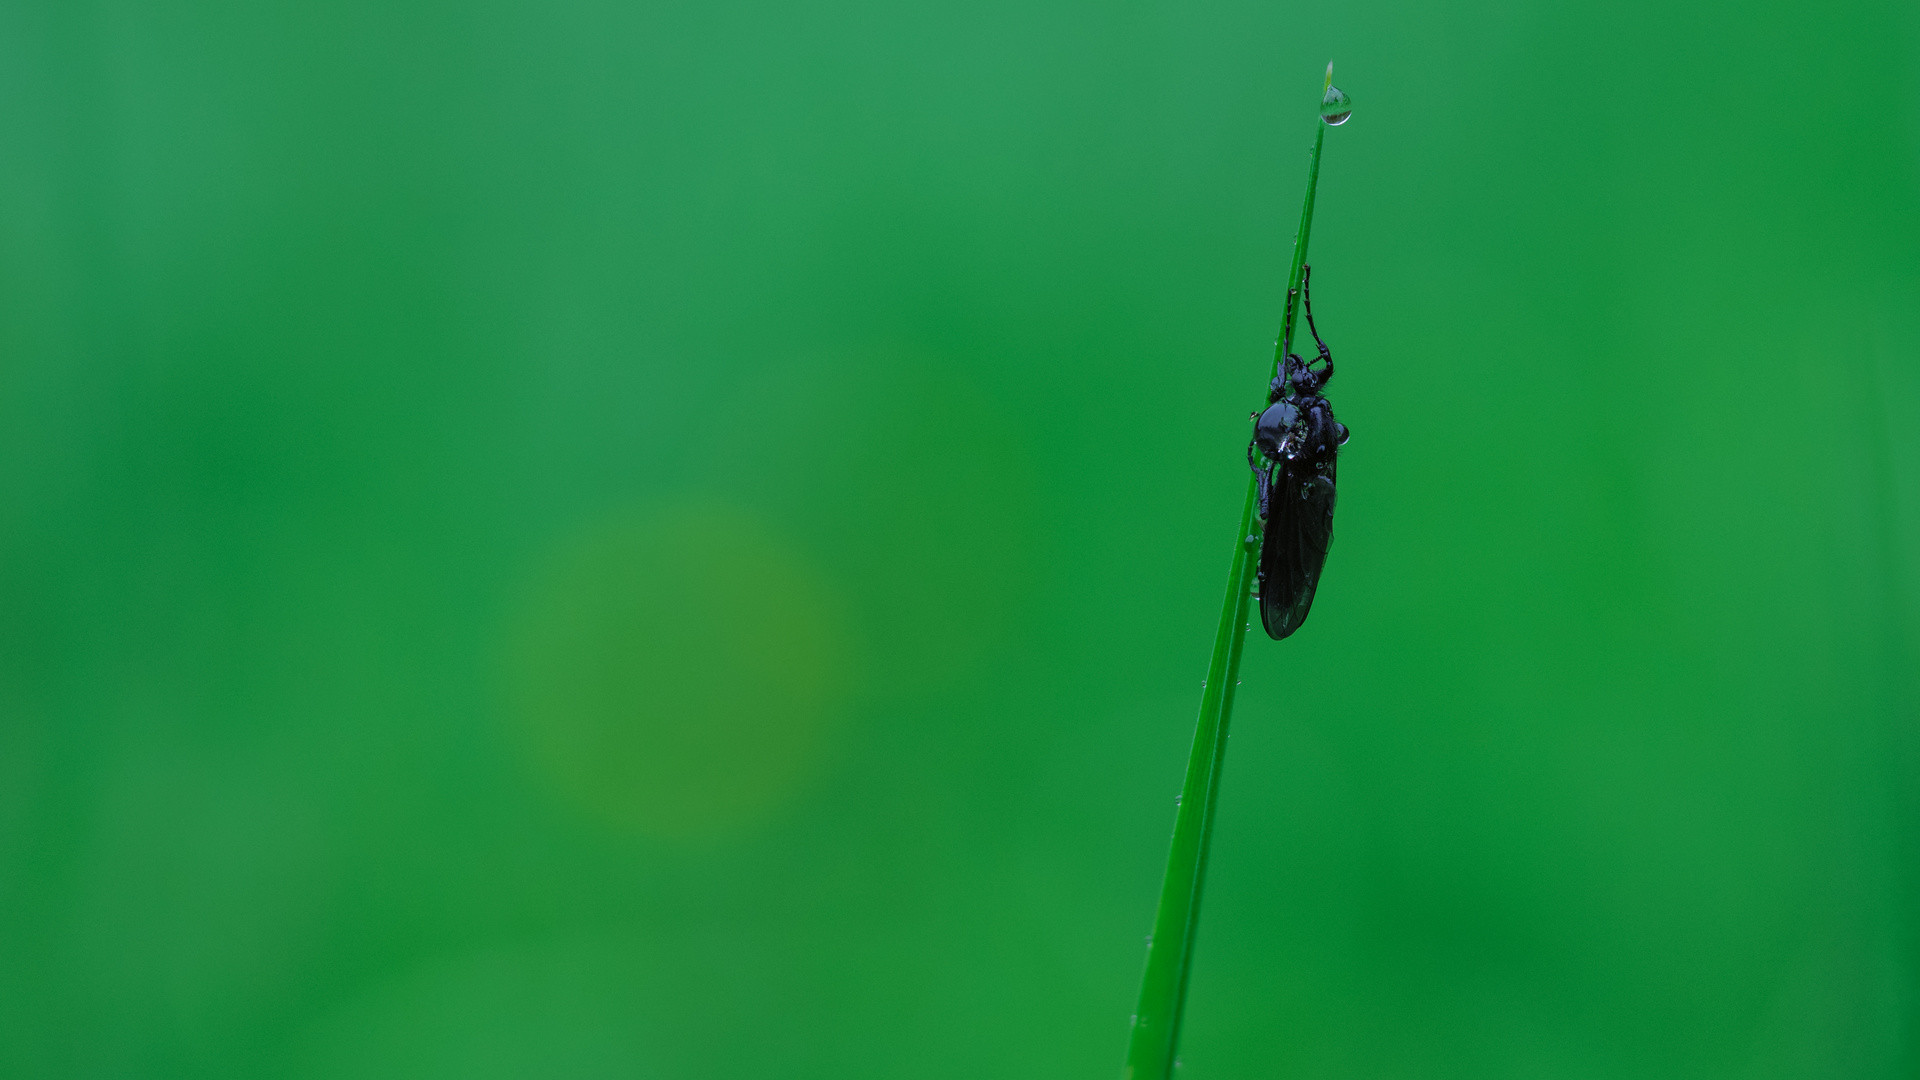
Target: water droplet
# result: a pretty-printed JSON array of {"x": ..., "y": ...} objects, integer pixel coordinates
[
  {"x": 1336, "y": 106},
  {"x": 1341, "y": 430}
]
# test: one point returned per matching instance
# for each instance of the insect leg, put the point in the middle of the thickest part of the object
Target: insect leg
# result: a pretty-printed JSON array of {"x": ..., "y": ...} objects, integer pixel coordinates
[
  {"x": 1264, "y": 479},
  {"x": 1306, "y": 301}
]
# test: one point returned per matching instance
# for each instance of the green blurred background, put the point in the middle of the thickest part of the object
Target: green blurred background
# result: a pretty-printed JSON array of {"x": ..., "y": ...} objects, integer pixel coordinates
[{"x": 583, "y": 539}]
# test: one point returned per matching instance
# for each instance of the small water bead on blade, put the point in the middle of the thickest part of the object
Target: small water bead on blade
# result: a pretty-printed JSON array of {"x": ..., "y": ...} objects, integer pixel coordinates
[{"x": 1336, "y": 106}]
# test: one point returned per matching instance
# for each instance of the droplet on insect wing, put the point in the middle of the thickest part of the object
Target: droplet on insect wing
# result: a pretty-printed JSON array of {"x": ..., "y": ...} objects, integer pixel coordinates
[{"x": 1335, "y": 107}]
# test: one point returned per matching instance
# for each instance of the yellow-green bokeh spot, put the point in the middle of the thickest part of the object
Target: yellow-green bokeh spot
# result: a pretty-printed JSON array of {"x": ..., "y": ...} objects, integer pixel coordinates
[{"x": 676, "y": 674}]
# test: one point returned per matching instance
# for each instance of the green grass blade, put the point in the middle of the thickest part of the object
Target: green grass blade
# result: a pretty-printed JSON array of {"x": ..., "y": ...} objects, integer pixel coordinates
[{"x": 1155, "y": 1035}]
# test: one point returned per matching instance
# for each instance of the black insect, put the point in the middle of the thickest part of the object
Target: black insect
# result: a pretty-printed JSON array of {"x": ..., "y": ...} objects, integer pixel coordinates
[{"x": 1294, "y": 453}]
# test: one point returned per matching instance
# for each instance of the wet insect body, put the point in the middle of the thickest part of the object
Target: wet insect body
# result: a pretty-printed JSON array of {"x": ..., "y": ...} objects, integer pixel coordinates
[{"x": 1295, "y": 454}]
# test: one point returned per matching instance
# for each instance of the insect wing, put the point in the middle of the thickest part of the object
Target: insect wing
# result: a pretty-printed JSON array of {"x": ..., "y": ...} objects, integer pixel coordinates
[{"x": 1294, "y": 550}]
